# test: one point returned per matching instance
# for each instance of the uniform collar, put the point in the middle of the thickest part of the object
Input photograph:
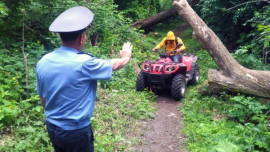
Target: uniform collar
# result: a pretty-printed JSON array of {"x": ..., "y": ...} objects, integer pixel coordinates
[{"x": 69, "y": 49}]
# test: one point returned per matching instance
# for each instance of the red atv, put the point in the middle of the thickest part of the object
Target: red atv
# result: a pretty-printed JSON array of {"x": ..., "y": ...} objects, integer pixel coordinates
[{"x": 166, "y": 74}]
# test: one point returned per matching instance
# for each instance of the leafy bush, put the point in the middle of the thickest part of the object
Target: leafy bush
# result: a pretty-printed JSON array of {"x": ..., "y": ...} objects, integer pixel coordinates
[
  {"x": 209, "y": 125},
  {"x": 246, "y": 59},
  {"x": 138, "y": 9},
  {"x": 249, "y": 60},
  {"x": 226, "y": 146},
  {"x": 28, "y": 132},
  {"x": 228, "y": 18},
  {"x": 243, "y": 24},
  {"x": 3, "y": 10},
  {"x": 212, "y": 123},
  {"x": 10, "y": 89},
  {"x": 244, "y": 108}
]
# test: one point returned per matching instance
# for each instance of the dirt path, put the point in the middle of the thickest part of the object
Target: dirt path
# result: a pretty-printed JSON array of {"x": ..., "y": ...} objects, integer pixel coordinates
[{"x": 163, "y": 134}]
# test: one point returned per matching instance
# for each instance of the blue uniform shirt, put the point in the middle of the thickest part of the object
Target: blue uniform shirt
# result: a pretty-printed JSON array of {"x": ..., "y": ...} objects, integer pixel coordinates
[{"x": 67, "y": 81}]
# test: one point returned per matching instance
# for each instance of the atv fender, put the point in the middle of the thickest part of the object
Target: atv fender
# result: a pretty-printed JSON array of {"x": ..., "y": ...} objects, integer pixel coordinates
[
  {"x": 183, "y": 68},
  {"x": 193, "y": 65},
  {"x": 195, "y": 59}
]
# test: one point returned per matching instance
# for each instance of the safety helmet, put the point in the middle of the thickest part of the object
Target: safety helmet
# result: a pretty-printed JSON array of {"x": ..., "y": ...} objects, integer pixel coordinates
[
  {"x": 170, "y": 36},
  {"x": 74, "y": 19}
]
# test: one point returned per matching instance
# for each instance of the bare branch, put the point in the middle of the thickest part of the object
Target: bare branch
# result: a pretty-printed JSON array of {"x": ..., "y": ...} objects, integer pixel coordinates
[
  {"x": 5, "y": 49},
  {"x": 268, "y": 1},
  {"x": 25, "y": 57}
]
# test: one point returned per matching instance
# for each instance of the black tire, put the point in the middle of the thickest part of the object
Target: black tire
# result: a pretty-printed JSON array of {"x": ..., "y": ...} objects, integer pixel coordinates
[
  {"x": 141, "y": 82},
  {"x": 196, "y": 75},
  {"x": 178, "y": 88}
]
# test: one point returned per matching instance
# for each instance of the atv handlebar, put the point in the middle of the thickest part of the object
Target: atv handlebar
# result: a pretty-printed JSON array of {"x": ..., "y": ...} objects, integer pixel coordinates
[{"x": 161, "y": 54}]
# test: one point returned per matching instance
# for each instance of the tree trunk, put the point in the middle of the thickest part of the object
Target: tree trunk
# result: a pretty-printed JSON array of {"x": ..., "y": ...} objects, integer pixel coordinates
[
  {"x": 148, "y": 22},
  {"x": 230, "y": 75},
  {"x": 93, "y": 40}
]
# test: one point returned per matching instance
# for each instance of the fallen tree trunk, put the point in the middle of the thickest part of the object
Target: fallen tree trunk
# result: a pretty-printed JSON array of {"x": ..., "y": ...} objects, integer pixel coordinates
[
  {"x": 230, "y": 75},
  {"x": 148, "y": 22},
  {"x": 162, "y": 16}
]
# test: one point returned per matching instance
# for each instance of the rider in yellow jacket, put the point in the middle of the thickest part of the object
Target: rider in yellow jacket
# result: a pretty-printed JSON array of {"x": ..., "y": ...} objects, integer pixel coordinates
[{"x": 171, "y": 42}]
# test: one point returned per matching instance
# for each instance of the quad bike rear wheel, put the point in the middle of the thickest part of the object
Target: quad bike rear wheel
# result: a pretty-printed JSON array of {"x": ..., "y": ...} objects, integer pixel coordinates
[
  {"x": 178, "y": 88},
  {"x": 196, "y": 75},
  {"x": 141, "y": 82}
]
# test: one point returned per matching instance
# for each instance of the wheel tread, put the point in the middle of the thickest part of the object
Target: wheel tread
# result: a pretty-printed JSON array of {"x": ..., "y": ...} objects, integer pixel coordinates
[
  {"x": 176, "y": 87},
  {"x": 140, "y": 82}
]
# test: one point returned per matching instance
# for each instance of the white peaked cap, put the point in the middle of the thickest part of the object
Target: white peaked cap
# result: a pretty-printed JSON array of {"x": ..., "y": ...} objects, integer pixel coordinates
[{"x": 71, "y": 20}]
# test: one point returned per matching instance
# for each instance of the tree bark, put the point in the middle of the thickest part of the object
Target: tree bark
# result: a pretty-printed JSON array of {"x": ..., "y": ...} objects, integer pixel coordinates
[
  {"x": 162, "y": 16},
  {"x": 148, "y": 22},
  {"x": 230, "y": 75}
]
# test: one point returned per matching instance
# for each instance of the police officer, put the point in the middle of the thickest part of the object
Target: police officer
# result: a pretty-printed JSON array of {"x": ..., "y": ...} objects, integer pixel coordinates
[{"x": 67, "y": 82}]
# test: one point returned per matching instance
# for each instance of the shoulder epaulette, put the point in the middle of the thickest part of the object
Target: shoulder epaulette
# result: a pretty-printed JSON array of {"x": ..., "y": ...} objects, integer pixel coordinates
[
  {"x": 43, "y": 54},
  {"x": 86, "y": 54}
]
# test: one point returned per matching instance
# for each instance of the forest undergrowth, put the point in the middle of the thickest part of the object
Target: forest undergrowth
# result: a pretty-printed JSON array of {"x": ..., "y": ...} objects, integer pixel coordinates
[{"x": 225, "y": 122}]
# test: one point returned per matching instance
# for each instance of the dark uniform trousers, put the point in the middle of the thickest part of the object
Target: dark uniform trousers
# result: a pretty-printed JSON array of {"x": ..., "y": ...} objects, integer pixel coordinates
[{"x": 80, "y": 140}]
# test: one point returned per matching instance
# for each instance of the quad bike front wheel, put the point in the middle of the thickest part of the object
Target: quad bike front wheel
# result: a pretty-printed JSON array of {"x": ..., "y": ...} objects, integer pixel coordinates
[
  {"x": 141, "y": 82},
  {"x": 178, "y": 88},
  {"x": 196, "y": 75}
]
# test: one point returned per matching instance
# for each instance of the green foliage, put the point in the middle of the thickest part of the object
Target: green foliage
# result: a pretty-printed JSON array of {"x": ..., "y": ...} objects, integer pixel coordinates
[
  {"x": 249, "y": 60},
  {"x": 228, "y": 21},
  {"x": 246, "y": 59},
  {"x": 3, "y": 10},
  {"x": 260, "y": 22},
  {"x": 36, "y": 15},
  {"x": 212, "y": 11},
  {"x": 108, "y": 23},
  {"x": 253, "y": 54},
  {"x": 13, "y": 73},
  {"x": 225, "y": 146},
  {"x": 265, "y": 35},
  {"x": 10, "y": 89},
  {"x": 244, "y": 108},
  {"x": 192, "y": 46},
  {"x": 21, "y": 117},
  {"x": 117, "y": 112},
  {"x": 28, "y": 132},
  {"x": 240, "y": 23},
  {"x": 225, "y": 123},
  {"x": 140, "y": 9},
  {"x": 210, "y": 123},
  {"x": 22, "y": 121}
]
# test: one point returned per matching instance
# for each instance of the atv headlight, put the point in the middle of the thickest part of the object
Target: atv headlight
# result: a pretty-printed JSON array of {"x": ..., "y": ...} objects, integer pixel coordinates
[
  {"x": 170, "y": 69},
  {"x": 146, "y": 67}
]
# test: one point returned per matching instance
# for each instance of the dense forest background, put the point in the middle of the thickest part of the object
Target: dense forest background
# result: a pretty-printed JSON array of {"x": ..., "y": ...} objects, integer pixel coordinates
[{"x": 243, "y": 26}]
